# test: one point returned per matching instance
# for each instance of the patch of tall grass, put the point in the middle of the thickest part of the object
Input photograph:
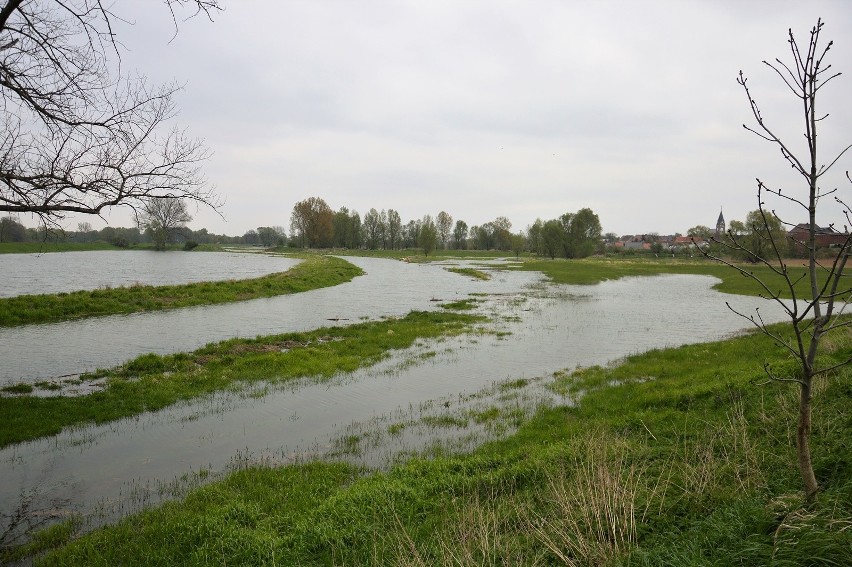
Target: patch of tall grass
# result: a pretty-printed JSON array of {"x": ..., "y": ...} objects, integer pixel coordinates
[
  {"x": 313, "y": 272},
  {"x": 674, "y": 457}
]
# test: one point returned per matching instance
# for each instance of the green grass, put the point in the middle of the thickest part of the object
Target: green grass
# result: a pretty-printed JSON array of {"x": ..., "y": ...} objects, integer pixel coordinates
[
  {"x": 313, "y": 272},
  {"x": 673, "y": 457},
  {"x": 45, "y": 247},
  {"x": 594, "y": 270},
  {"x": 476, "y": 274},
  {"x": 461, "y": 304},
  {"x": 151, "y": 382}
]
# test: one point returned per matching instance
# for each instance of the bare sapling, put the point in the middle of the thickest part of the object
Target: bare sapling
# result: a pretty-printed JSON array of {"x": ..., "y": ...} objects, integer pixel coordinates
[{"x": 820, "y": 291}]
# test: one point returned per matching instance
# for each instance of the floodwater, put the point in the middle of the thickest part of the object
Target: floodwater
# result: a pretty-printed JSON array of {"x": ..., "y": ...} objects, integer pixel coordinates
[
  {"x": 115, "y": 468},
  {"x": 389, "y": 289},
  {"x": 57, "y": 272}
]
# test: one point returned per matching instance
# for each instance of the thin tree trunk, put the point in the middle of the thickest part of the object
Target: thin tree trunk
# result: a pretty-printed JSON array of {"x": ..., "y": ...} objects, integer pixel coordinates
[{"x": 803, "y": 447}]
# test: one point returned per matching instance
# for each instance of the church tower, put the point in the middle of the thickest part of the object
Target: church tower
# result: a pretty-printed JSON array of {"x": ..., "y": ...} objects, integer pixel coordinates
[{"x": 720, "y": 225}]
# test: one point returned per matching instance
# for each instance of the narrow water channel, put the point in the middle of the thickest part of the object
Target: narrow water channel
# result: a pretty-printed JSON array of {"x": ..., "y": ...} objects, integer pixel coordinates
[
  {"x": 115, "y": 468},
  {"x": 388, "y": 289}
]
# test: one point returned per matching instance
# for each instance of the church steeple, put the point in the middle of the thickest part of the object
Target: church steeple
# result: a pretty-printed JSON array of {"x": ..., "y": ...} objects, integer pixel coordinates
[{"x": 720, "y": 224}]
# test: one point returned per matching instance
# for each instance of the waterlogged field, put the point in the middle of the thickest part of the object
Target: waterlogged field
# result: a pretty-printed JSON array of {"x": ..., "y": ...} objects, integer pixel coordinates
[{"x": 460, "y": 441}]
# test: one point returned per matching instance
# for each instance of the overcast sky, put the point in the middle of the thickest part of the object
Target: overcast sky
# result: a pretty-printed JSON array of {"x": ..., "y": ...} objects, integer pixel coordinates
[{"x": 524, "y": 109}]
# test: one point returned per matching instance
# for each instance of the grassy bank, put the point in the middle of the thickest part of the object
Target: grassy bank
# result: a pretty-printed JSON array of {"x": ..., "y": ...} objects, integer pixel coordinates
[
  {"x": 151, "y": 382},
  {"x": 313, "y": 272},
  {"x": 46, "y": 247},
  {"x": 49, "y": 247},
  {"x": 674, "y": 457}
]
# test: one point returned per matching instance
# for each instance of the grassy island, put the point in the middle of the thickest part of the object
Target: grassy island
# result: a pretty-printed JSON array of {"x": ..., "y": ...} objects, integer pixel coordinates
[{"x": 314, "y": 271}]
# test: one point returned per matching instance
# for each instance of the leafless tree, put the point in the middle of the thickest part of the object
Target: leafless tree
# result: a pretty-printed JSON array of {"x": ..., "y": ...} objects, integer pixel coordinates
[
  {"x": 77, "y": 135},
  {"x": 164, "y": 218},
  {"x": 819, "y": 311}
]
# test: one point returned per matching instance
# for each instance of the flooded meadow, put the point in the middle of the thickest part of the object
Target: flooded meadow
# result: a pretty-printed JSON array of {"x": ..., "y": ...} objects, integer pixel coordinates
[{"x": 453, "y": 392}]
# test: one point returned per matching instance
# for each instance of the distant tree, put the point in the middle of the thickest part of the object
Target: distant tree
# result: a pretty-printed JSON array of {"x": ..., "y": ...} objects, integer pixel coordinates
[
  {"x": 473, "y": 237},
  {"x": 764, "y": 235},
  {"x": 353, "y": 231},
  {"x": 382, "y": 227},
  {"x": 519, "y": 243},
  {"x": 85, "y": 232},
  {"x": 411, "y": 234},
  {"x": 11, "y": 230},
  {"x": 428, "y": 237},
  {"x": 535, "y": 237},
  {"x": 372, "y": 229},
  {"x": 460, "y": 235},
  {"x": 736, "y": 228},
  {"x": 341, "y": 225},
  {"x": 552, "y": 235},
  {"x": 444, "y": 223},
  {"x": 312, "y": 223},
  {"x": 583, "y": 234},
  {"x": 565, "y": 221},
  {"x": 502, "y": 233},
  {"x": 483, "y": 236},
  {"x": 202, "y": 236},
  {"x": 164, "y": 218},
  {"x": 120, "y": 236},
  {"x": 347, "y": 229},
  {"x": 701, "y": 232},
  {"x": 268, "y": 236},
  {"x": 394, "y": 229},
  {"x": 251, "y": 237}
]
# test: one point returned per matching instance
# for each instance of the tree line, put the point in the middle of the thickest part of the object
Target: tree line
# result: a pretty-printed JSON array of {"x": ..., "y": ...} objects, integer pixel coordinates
[{"x": 314, "y": 224}]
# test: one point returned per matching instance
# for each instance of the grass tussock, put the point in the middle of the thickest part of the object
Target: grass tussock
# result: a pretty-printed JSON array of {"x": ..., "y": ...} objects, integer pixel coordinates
[
  {"x": 471, "y": 272},
  {"x": 313, "y": 272}
]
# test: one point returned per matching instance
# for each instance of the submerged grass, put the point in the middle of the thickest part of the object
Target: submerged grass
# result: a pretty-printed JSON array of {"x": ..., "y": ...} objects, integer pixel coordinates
[
  {"x": 313, "y": 272},
  {"x": 151, "y": 382},
  {"x": 673, "y": 457}
]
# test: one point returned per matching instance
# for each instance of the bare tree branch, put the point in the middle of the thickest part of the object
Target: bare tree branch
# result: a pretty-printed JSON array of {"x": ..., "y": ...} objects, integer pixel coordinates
[{"x": 74, "y": 137}]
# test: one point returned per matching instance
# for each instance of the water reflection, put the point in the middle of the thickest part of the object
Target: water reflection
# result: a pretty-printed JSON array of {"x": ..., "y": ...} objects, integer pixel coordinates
[{"x": 125, "y": 464}]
